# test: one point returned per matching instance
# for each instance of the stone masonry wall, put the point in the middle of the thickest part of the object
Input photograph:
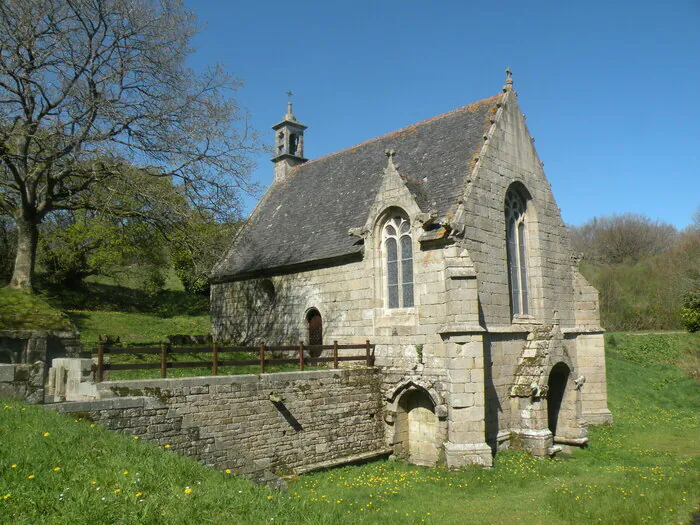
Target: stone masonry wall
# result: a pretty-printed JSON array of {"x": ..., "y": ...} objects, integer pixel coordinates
[
  {"x": 510, "y": 157},
  {"x": 273, "y": 422},
  {"x": 25, "y": 357}
]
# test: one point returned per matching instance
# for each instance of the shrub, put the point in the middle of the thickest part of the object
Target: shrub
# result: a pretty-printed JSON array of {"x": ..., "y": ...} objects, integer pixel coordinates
[{"x": 690, "y": 311}]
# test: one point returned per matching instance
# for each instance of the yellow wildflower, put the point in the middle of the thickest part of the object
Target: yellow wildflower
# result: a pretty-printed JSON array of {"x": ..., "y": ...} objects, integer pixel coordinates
[
  {"x": 138, "y": 494},
  {"x": 56, "y": 469},
  {"x": 6, "y": 497},
  {"x": 31, "y": 476},
  {"x": 14, "y": 465},
  {"x": 126, "y": 472},
  {"x": 188, "y": 490},
  {"x": 46, "y": 434},
  {"x": 117, "y": 491},
  {"x": 166, "y": 446},
  {"x": 228, "y": 471}
]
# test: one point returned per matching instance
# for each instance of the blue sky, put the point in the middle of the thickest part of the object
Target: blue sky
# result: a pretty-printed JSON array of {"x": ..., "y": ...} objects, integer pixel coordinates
[{"x": 610, "y": 89}]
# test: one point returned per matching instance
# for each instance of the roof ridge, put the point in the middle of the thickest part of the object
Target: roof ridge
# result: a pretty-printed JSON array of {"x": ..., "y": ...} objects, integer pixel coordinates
[{"x": 401, "y": 130}]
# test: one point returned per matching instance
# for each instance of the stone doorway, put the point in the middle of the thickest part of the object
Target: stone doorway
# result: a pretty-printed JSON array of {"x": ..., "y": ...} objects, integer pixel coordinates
[
  {"x": 315, "y": 326},
  {"x": 417, "y": 428},
  {"x": 556, "y": 396}
]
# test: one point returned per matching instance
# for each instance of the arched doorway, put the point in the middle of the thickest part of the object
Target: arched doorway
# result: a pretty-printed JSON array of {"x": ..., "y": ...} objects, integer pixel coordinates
[
  {"x": 558, "y": 379},
  {"x": 417, "y": 427},
  {"x": 315, "y": 326}
]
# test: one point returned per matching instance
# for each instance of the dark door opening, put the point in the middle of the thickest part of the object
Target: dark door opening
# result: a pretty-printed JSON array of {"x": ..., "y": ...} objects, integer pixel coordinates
[
  {"x": 315, "y": 324},
  {"x": 558, "y": 378}
]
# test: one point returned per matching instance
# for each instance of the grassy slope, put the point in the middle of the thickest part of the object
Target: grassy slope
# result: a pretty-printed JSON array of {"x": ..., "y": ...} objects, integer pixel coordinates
[
  {"x": 21, "y": 310},
  {"x": 136, "y": 327},
  {"x": 643, "y": 469}
]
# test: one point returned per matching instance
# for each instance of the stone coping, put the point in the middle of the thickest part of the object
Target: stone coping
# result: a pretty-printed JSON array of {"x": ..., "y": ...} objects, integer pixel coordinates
[{"x": 170, "y": 383}]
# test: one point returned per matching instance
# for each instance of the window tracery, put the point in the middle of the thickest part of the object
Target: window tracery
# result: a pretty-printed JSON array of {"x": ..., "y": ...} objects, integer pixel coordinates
[
  {"x": 516, "y": 242},
  {"x": 398, "y": 256}
]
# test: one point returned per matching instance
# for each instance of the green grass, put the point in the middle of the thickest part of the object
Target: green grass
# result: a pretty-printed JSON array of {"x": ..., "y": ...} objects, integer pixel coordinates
[
  {"x": 643, "y": 469},
  {"x": 133, "y": 328},
  {"x": 21, "y": 310}
]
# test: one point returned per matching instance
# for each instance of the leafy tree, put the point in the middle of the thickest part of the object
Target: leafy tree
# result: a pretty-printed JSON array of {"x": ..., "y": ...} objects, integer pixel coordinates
[
  {"x": 89, "y": 89},
  {"x": 75, "y": 245},
  {"x": 196, "y": 246}
]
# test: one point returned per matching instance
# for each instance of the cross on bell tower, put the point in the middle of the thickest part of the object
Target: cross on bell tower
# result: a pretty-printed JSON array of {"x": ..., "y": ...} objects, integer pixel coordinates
[{"x": 289, "y": 142}]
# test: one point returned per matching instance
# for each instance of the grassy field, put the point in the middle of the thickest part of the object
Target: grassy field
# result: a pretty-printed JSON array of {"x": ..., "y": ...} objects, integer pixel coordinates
[{"x": 643, "y": 469}]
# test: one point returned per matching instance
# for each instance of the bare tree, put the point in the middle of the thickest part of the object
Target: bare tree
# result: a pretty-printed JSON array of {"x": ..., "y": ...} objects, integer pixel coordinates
[
  {"x": 90, "y": 86},
  {"x": 623, "y": 238}
]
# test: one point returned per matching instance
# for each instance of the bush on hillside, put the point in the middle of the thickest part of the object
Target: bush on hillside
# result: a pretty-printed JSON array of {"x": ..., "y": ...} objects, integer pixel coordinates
[{"x": 690, "y": 312}]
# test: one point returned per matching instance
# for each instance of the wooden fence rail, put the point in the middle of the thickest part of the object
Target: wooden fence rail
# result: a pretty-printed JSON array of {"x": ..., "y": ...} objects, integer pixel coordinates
[{"x": 264, "y": 355}]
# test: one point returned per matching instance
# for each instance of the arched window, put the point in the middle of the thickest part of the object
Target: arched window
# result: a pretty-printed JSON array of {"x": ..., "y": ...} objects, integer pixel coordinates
[
  {"x": 398, "y": 254},
  {"x": 515, "y": 210}
]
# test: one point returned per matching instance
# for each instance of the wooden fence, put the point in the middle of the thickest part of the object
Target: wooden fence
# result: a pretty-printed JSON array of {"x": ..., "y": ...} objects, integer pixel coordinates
[{"x": 264, "y": 355}]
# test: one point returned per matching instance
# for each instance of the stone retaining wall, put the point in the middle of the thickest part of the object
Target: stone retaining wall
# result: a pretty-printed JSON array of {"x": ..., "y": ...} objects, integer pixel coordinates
[
  {"x": 253, "y": 424},
  {"x": 25, "y": 357}
]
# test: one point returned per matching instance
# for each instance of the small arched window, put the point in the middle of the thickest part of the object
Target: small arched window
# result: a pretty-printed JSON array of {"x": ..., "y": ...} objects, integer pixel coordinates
[
  {"x": 398, "y": 256},
  {"x": 516, "y": 241}
]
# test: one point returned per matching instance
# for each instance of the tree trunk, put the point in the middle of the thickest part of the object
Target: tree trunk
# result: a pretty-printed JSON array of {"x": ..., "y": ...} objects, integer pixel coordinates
[{"x": 27, "y": 238}]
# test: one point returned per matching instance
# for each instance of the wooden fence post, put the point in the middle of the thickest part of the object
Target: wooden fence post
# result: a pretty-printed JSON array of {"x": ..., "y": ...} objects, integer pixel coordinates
[
  {"x": 335, "y": 354},
  {"x": 215, "y": 359},
  {"x": 369, "y": 355},
  {"x": 262, "y": 358},
  {"x": 100, "y": 360},
  {"x": 301, "y": 355},
  {"x": 163, "y": 359}
]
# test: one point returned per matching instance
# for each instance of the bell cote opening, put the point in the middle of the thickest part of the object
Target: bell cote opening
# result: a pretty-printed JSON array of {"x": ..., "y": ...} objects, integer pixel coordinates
[{"x": 289, "y": 143}]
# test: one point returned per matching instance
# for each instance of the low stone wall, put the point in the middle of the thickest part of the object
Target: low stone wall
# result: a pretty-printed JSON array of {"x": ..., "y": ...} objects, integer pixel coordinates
[{"x": 254, "y": 424}]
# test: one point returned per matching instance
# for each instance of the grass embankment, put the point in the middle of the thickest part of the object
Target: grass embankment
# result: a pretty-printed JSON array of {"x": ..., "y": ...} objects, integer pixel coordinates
[
  {"x": 643, "y": 469},
  {"x": 21, "y": 310}
]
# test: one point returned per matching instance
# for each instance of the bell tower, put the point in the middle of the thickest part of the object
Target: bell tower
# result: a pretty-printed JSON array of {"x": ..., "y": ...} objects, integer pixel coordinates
[{"x": 289, "y": 143}]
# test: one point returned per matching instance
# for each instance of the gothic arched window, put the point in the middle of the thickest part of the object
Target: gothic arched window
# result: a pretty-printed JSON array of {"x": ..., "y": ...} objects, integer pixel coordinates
[
  {"x": 516, "y": 241},
  {"x": 398, "y": 254}
]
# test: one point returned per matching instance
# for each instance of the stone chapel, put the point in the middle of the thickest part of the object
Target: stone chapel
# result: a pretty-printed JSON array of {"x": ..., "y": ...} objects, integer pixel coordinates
[{"x": 442, "y": 244}]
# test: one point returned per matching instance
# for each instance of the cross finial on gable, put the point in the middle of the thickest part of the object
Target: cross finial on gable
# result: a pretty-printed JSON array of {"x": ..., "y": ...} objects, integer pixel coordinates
[
  {"x": 509, "y": 80},
  {"x": 290, "y": 94},
  {"x": 390, "y": 153}
]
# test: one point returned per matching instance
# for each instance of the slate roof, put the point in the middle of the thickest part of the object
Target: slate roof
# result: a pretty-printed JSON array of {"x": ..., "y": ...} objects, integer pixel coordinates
[{"x": 306, "y": 217}]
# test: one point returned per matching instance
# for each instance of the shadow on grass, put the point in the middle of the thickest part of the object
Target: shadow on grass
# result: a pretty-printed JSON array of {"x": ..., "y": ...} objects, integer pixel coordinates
[{"x": 112, "y": 298}]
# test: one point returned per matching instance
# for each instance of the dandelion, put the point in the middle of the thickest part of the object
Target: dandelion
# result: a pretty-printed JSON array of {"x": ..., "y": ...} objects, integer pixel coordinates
[
  {"x": 138, "y": 494},
  {"x": 14, "y": 465},
  {"x": 31, "y": 476},
  {"x": 126, "y": 472},
  {"x": 228, "y": 471},
  {"x": 92, "y": 425},
  {"x": 166, "y": 446},
  {"x": 93, "y": 483},
  {"x": 135, "y": 438},
  {"x": 56, "y": 469},
  {"x": 46, "y": 434},
  {"x": 269, "y": 497},
  {"x": 188, "y": 490},
  {"x": 6, "y": 496},
  {"x": 117, "y": 491}
]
